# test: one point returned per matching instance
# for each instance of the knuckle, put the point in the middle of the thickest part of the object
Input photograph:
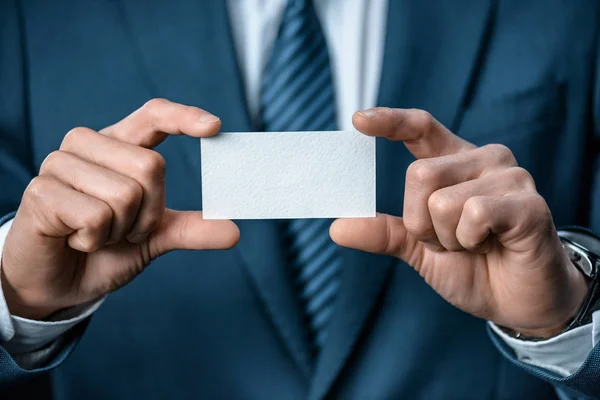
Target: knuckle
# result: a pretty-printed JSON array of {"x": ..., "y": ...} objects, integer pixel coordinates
[
  {"x": 51, "y": 161},
  {"x": 73, "y": 136},
  {"x": 537, "y": 204},
  {"x": 422, "y": 172},
  {"x": 475, "y": 211},
  {"x": 152, "y": 108},
  {"x": 419, "y": 228},
  {"x": 523, "y": 178},
  {"x": 155, "y": 103},
  {"x": 440, "y": 204},
  {"x": 151, "y": 166},
  {"x": 35, "y": 201},
  {"x": 421, "y": 119},
  {"x": 537, "y": 216},
  {"x": 38, "y": 188},
  {"x": 128, "y": 195},
  {"x": 501, "y": 153}
]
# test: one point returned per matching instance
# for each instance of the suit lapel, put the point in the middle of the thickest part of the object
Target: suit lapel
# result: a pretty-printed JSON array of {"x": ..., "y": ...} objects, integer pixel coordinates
[
  {"x": 432, "y": 54},
  {"x": 362, "y": 280},
  {"x": 430, "y": 59},
  {"x": 186, "y": 52},
  {"x": 186, "y": 49}
]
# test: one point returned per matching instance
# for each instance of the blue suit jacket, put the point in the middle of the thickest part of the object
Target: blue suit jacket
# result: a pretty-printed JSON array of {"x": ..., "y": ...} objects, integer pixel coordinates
[{"x": 225, "y": 324}]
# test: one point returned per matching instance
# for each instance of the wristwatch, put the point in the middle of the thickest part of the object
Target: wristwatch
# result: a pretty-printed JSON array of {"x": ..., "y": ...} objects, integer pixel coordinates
[{"x": 583, "y": 249}]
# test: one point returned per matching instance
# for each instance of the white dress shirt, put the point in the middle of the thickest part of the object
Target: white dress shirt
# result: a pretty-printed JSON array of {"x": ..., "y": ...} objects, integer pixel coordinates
[{"x": 355, "y": 31}]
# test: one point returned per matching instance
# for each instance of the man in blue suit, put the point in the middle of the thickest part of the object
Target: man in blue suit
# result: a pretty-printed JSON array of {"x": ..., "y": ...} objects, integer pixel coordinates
[{"x": 496, "y": 305}]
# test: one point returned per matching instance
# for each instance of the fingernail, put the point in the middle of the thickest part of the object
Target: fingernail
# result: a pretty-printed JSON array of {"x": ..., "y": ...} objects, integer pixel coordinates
[
  {"x": 370, "y": 113},
  {"x": 208, "y": 118},
  {"x": 137, "y": 238}
]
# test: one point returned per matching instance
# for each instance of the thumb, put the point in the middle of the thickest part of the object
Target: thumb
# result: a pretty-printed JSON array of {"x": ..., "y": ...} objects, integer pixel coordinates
[
  {"x": 187, "y": 230},
  {"x": 384, "y": 234}
]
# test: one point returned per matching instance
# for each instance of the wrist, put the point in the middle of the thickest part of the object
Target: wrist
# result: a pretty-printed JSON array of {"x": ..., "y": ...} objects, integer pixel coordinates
[
  {"x": 579, "y": 285},
  {"x": 17, "y": 303},
  {"x": 575, "y": 289}
]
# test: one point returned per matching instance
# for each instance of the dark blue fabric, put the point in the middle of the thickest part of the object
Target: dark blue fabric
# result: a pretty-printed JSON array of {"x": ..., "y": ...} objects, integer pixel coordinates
[
  {"x": 226, "y": 324},
  {"x": 11, "y": 374},
  {"x": 7, "y": 217}
]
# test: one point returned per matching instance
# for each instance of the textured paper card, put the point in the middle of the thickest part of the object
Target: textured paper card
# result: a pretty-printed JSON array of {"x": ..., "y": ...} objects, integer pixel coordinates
[{"x": 269, "y": 175}]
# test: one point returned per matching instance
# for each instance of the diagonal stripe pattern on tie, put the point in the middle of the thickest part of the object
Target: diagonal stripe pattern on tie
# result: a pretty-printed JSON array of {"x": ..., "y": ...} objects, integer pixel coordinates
[{"x": 298, "y": 95}]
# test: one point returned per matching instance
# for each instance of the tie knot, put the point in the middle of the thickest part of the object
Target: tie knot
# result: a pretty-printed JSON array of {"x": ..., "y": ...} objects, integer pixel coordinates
[
  {"x": 298, "y": 5},
  {"x": 297, "y": 84}
]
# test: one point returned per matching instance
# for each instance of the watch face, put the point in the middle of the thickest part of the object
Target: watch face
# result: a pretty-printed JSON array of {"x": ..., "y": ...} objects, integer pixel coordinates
[
  {"x": 579, "y": 257},
  {"x": 584, "y": 239}
]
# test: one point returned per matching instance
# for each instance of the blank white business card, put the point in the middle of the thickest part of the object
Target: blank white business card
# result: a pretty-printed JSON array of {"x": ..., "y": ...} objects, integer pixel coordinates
[{"x": 272, "y": 175}]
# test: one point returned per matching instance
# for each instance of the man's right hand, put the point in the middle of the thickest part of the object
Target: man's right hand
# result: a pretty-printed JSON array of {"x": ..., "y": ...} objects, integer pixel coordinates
[{"x": 95, "y": 216}]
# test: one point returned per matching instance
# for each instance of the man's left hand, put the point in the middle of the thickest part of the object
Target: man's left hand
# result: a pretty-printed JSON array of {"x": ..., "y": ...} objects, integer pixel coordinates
[{"x": 473, "y": 226}]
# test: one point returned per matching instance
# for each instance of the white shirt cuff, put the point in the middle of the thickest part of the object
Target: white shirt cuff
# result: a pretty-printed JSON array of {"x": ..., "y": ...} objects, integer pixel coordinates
[
  {"x": 563, "y": 354},
  {"x": 30, "y": 341}
]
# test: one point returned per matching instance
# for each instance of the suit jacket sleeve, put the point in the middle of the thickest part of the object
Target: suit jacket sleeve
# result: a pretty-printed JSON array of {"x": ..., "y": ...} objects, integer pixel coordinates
[
  {"x": 586, "y": 380},
  {"x": 16, "y": 165},
  {"x": 595, "y": 200}
]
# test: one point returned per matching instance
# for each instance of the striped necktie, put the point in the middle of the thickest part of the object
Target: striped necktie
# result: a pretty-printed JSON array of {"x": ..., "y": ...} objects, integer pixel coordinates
[{"x": 298, "y": 95}]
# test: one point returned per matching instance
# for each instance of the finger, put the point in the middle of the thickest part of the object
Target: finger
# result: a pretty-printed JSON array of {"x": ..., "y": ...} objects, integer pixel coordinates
[
  {"x": 384, "y": 234},
  {"x": 121, "y": 193},
  {"x": 424, "y": 177},
  {"x": 510, "y": 219},
  {"x": 145, "y": 166},
  {"x": 158, "y": 118},
  {"x": 57, "y": 210},
  {"x": 422, "y": 134},
  {"x": 187, "y": 230},
  {"x": 446, "y": 204}
]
